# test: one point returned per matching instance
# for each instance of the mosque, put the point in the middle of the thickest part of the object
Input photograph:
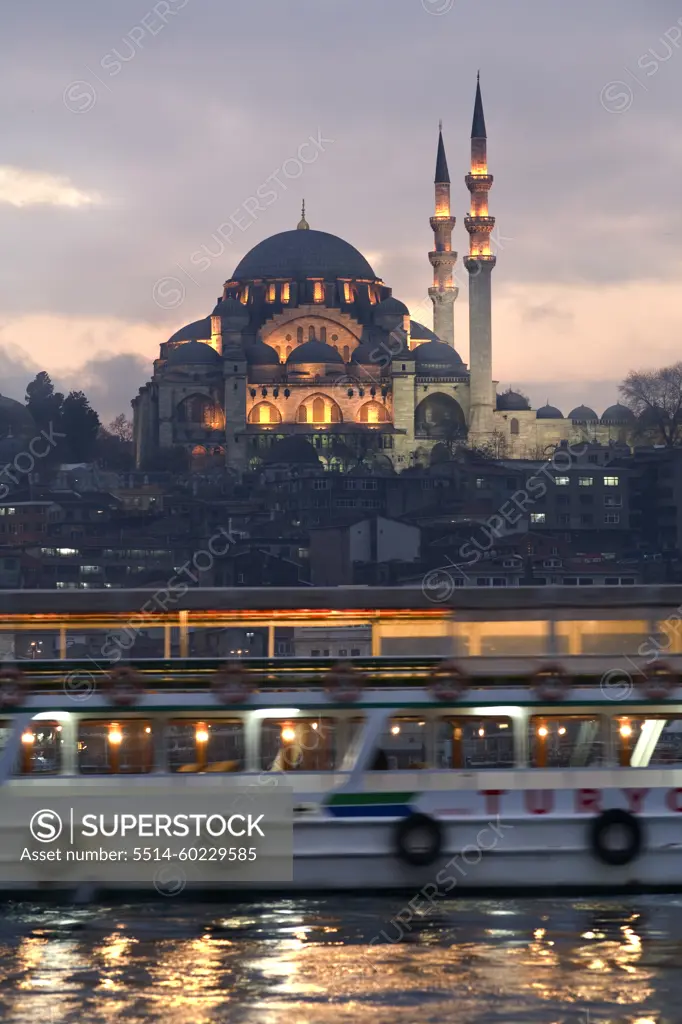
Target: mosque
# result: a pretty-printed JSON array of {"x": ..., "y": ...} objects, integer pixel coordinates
[{"x": 308, "y": 358}]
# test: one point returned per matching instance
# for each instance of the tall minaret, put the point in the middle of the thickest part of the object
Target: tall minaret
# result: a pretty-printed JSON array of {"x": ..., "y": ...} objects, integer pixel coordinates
[
  {"x": 443, "y": 293},
  {"x": 480, "y": 263}
]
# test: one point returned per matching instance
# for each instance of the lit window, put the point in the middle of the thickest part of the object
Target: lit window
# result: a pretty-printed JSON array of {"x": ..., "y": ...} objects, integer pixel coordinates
[
  {"x": 208, "y": 746},
  {"x": 286, "y": 292},
  {"x": 585, "y": 481},
  {"x": 301, "y": 744},
  {"x": 538, "y": 517},
  {"x": 346, "y": 291},
  {"x": 271, "y": 293},
  {"x": 612, "y": 517},
  {"x": 318, "y": 292},
  {"x": 244, "y": 297},
  {"x": 562, "y": 481},
  {"x": 611, "y": 481},
  {"x": 11, "y": 511},
  {"x": 110, "y": 747}
]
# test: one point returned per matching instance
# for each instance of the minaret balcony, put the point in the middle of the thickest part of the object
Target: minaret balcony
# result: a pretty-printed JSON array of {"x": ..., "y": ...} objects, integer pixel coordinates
[
  {"x": 443, "y": 259},
  {"x": 442, "y": 221},
  {"x": 483, "y": 224},
  {"x": 479, "y": 182}
]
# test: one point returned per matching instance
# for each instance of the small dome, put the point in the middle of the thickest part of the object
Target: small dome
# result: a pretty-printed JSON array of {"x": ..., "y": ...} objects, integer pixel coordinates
[
  {"x": 391, "y": 307},
  {"x": 420, "y": 333},
  {"x": 260, "y": 354},
  {"x": 193, "y": 352},
  {"x": 512, "y": 401},
  {"x": 200, "y": 330},
  {"x": 549, "y": 412},
  {"x": 293, "y": 450},
  {"x": 231, "y": 307},
  {"x": 314, "y": 352},
  {"x": 436, "y": 359},
  {"x": 583, "y": 414},
  {"x": 618, "y": 415}
]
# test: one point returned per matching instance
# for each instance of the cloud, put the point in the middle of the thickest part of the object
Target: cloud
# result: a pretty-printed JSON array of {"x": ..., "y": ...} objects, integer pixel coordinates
[{"x": 19, "y": 187}]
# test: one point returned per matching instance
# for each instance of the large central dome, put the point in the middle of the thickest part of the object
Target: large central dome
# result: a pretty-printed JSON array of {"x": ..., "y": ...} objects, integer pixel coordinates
[{"x": 302, "y": 254}]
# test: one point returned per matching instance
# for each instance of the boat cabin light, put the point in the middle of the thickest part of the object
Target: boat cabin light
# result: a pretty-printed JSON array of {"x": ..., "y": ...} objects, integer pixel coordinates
[
  {"x": 28, "y": 737},
  {"x": 395, "y": 729},
  {"x": 201, "y": 733},
  {"x": 481, "y": 731},
  {"x": 625, "y": 730},
  {"x": 543, "y": 732},
  {"x": 562, "y": 730},
  {"x": 115, "y": 735},
  {"x": 288, "y": 733}
]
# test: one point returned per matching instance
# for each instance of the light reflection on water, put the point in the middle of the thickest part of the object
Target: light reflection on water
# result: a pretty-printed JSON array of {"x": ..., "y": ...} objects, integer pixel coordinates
[{"x": 316, "y": 961}]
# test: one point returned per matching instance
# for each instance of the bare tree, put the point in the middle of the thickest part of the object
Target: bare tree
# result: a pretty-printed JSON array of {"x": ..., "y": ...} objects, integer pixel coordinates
[
  {"x": 655, "y": 396},
  {"x": 121, "y": 428}
]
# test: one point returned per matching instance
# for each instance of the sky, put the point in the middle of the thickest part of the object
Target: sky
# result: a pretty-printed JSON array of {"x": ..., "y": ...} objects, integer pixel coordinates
[{"x": 134, "y": 133}]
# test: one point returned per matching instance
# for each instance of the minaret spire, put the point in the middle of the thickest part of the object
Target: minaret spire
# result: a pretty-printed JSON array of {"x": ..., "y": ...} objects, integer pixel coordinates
[
  {"x": 442, "y": 258},
  {"x": 480, "y": 263},
  {"x": 303, "y": 224}
]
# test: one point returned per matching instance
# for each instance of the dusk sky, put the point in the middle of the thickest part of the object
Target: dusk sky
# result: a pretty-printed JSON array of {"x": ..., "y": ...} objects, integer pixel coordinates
[{"x": 131, "y": 131}]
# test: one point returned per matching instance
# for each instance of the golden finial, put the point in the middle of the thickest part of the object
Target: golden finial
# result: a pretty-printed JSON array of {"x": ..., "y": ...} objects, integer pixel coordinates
[{"x": 303, "y": 224}]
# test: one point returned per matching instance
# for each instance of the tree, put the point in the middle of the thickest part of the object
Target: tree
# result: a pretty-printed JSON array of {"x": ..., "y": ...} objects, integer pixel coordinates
[
  {"x": 81, "y": 425},
  {"x": 655, "y": 396},
  {"x": 43, "y": 402},
  {"x": 121, "y": 428}
]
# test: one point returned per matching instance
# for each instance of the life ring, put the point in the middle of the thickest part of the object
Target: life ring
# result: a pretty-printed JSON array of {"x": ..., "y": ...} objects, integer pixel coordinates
[
  {"x": 12, "y": 688},
  {"x": 418, "y": 840},
  {"x": 448, "y": 682},
  {"x": 659, "y": 682},
  {"x": 616, "y": 824},
  {"x": 231, "y": 686},
  {"x": 344, "y": 684},
  {"x": 123, "y": 686},
  {"x": 551, "y": 684}
]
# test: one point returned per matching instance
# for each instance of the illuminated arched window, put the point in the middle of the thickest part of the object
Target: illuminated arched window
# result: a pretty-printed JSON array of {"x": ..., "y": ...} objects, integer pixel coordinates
[
  {"x": 372, "y": 412},
  {"x": 271, "y": 293},
  {"x": 198, "y": 409},
  {"x": 319, "y": 409},
  {"x": 514, "y": 426},
  {"x": 265, "y": 412},
  {"x": 286, "y": 291},
  {"x": 318, "y": 291}
]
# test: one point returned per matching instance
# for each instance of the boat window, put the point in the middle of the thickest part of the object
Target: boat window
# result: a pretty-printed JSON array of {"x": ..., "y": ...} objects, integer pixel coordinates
[
  {"x": 566, "y": 741},
  {"x": 299, "y": 744},
  {"x": 108, "y": 747},
  {"x": 205, "y": 746},
  {"x": 6, "y": 730},
  {"x": 648, "y": 741},
  {"x": 474, "y": 743},
  {"x": 41, "y": 749},
  {"x": 403, "y": 745},
  {"x": 601, "y": 636}
]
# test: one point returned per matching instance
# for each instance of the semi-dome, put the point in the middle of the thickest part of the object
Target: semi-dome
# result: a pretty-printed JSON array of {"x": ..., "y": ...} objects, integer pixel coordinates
[
  {"x": 200, "y": 330},
  {"x": 231, "y": 307},
  {"x": 420, "y": 333},
  {"x": 618, "y": 415},
  {"x": 193, "y": 352},
  {"x": 292, "y": 450},
  {"x": 260, "y": 354},
  {"x": 435, "y": 358},
  {"x": 583, "y": 414},
  {"x": 314, "y": 352},
  {"x": 549, "y": 412},
  {"x": 512, "y": 401},
  {"x": 391, "y": 307},
  {"x": 302, "y": 254}
]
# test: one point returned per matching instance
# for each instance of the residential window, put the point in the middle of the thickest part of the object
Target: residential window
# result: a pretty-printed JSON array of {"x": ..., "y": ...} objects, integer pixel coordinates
[
  {"x": 586, "y": 519},
  {"x": 612, "y": 502},
  {"x": 355, "y": 652},
  {"x": 585, "y": 481},
  {"x": 611, "y": 481},
  {"x": 612, "y": 518},
  {"x": 538, "y": 517},
  {"x": 480, "y": 482},
  {"x": 562, "y": 481}
]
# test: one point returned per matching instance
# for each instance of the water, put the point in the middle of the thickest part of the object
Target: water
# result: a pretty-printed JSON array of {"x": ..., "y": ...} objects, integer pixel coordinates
[{"x": 314, "y": 961}]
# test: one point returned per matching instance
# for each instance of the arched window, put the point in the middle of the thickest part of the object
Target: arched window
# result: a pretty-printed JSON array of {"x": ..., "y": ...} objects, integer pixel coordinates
[
  {"x": 198, "y": 409},
  {"x": 289, "y": 351},
  {"x": 299, "y": 335},
  {"x": 323, "y": 334},
  {"x": 372, "y": 412},
  {"x": 318, "y": 409},
  {"x": 514, "y": 426},
  {"x": 311, "y": 333},
  {"x": 346, "y": 353},
  {"x": 265, "y": 412}
]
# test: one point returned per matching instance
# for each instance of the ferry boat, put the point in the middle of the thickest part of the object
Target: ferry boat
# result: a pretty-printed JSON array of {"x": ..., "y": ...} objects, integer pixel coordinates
[{"x": 433, "y": 775}]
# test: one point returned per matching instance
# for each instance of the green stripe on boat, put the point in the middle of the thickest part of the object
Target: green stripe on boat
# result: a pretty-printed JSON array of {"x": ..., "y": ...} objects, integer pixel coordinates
[{"x": 346, "y": 799}]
